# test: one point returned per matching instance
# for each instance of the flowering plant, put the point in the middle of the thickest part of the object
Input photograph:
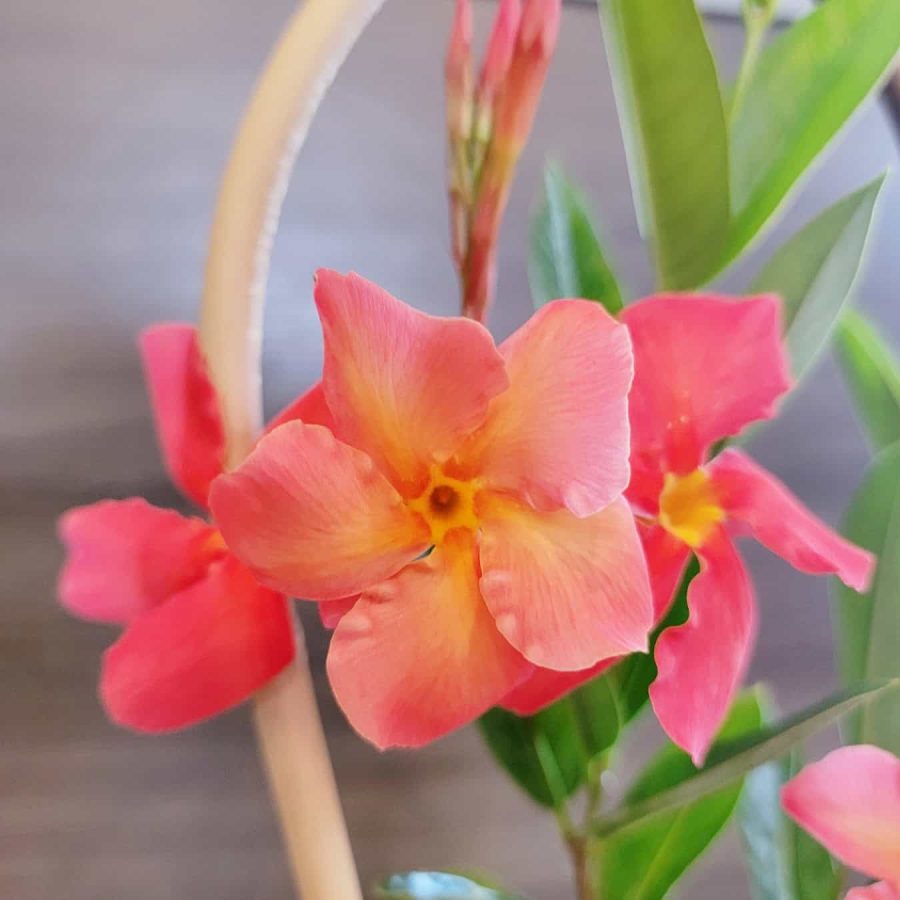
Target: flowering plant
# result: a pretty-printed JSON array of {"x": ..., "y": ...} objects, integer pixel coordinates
[{"x": 540, "y": 535}]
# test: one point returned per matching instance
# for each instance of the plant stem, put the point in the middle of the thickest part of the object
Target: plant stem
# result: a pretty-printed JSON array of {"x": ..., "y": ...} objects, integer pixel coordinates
[{"x": 292, "y": 744}]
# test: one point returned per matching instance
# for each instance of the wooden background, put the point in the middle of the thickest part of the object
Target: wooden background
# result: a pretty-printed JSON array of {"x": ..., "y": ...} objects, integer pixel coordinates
[{"x": 116, "y": 119}]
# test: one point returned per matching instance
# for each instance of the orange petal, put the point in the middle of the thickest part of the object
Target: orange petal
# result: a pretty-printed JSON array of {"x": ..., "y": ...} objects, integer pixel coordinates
[
  {"x": 313, "y": 517},
  {"x": 419, "y": 655},
  {"x": 403, "y": 386},
  {"x": 566, "y": 592},
  {"x": 558, "y": 438}
]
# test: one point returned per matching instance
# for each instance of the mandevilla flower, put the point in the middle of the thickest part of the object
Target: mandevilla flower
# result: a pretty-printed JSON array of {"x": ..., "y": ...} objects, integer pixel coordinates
[
  {"x": 201, "y": 634},
  {"x": 509, "y": 462},
  {"x": 705, "y": 368},
  {"x": 850, "y": 802}
]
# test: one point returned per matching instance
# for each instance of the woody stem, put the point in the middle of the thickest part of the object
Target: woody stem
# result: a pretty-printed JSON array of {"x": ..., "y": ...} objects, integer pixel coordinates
[{"x": 292, "y": 743}]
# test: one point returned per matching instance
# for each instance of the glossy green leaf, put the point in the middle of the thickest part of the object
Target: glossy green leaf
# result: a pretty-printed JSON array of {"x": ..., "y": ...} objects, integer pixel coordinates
[
  {"x": 815, "y": 272},
  {"x": 566, "y": 259},
  {"x": 673, "y": 121},
  {"x": 642, "y": 862},
  {"x": 731, "y": 760},
  {"x": 804, "y": 88},
  {"x": 543, "y": 753},
  {"x": 783, "y": 861},
  {"x": 872, "y": 372},
  {"x": 436, "y": 886},
  {"x": 869, "y": 625}
]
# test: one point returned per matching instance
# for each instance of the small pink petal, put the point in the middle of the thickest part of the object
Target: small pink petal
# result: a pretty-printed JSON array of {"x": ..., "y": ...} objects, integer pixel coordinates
[
  {"x": 559, "y": 436},
  {"x": 404, "y": 387},
  {"x": 310, "y": 408},
  {"x": 205, "y": 650},
  {"x": 881, "y": 890},
  {"x": 313, "y": 517},
  {"x": 703, "y": 662},
  {"x": 185, "y": 406},
  {"x": 419, "y": 655},
  {"x": 667, "y": 558},
  {"x": 546, "y": 686},
  {"x": 705, "y": 368},
  {"x": 850, "y": 803},
  {"x": 566, "y": 592},
  {"x": 332, "y": 611},
  {"x": 779, "y": 521},
  {"x": 123, "y": 557}
]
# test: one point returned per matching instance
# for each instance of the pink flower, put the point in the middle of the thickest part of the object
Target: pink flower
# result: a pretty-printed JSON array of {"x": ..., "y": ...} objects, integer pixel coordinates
[
  {"x": 850, "y": 802},
  {"x": 201, "y": 634},
  {"x": 509, "y": 462},
  {"x": 705, "y": 368}
]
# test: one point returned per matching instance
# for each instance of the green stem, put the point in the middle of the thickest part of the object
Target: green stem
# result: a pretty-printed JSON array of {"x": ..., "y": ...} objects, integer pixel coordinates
[{"x": 757, "y": 26}]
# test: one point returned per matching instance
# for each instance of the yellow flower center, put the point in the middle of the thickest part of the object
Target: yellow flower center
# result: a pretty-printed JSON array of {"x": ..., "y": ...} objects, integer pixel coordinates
[
  {"x": 447, "y": 503},
  {"x": 689, "y": 508}
]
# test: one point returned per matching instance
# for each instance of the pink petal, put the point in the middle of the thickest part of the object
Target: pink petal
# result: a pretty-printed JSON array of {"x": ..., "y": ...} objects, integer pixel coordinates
[
  {"x": 185, "y": 406},
  {"x": 566, "y": 592},
  {"x": 419, "y": 655},
  {"x": 332, "y": 611},
  {"x": 559, "y": 436},
  {"x": 667, "y": 558},
  {"x": 881, "y": 890},
  {"x": 126, "y": 556},
  {"x": 850, "y": 802},
  {"x": 703, "y": 662},
  {"x": 777, "y": 519},
  {"x": 313, "y": 517},
  {"x": 705, "y": 368},
  {"x": 403, "y": 386},
  {"x": 545, "y": 686},
  {"x": 310, "y": 408},
  {"x": 203, "y": 651}
]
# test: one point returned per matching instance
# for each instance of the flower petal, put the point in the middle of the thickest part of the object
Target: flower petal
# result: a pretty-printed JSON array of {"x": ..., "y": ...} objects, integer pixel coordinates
[
  {"x": 546, "y": 686},
  {"x": 558, "y": 438},
  {"x": 703, "y": 662},
  {"x": 566, "y": 592},
  {"x": 185, "y": 406},
  {"x": 779, "y": 521},
  {"x": 850, "y": 802},
  {"x": 126, "y": 556},
  {"x": 310, "y": 408},
  {"x": 332, "y": 611},
  {"x": 881, "y": 890},
  {"x": 667, "y": 558},
  {"x": 205, "y": 650},
  {"x": 313, "y": 517},
  {"x": 403, "y": 386},
  {"x": 419, "y": 655},
  {"x": 705, "y": 367}
]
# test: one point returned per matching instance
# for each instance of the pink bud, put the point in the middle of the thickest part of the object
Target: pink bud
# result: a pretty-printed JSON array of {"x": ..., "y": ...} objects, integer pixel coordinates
[
  {"x": 499, "y": 50},
  {"x": 459, "y": 50}
]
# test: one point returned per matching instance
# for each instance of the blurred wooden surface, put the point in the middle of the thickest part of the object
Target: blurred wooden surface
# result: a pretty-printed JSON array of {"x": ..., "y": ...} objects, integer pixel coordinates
[{"x": 116, "y": 121}]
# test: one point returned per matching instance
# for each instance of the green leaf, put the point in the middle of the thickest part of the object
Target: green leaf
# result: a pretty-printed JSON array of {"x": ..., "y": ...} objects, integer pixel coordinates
[
  {"x": 436, "y": 886},
  {"x": 730, "y": 760},
  {"x": 673, "y": 121},
  {"x": 644, "y": 861},
  {"x": 804, "y": 88},
  {"x": 783, "y": 861},
  {"x": 873, "y": 373},
  {"x": 566, "y": 259},
  {"x": 868, "y": 625},
  {"x": 543, "y": 753},
  {"x": 815, "y": 272}
]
